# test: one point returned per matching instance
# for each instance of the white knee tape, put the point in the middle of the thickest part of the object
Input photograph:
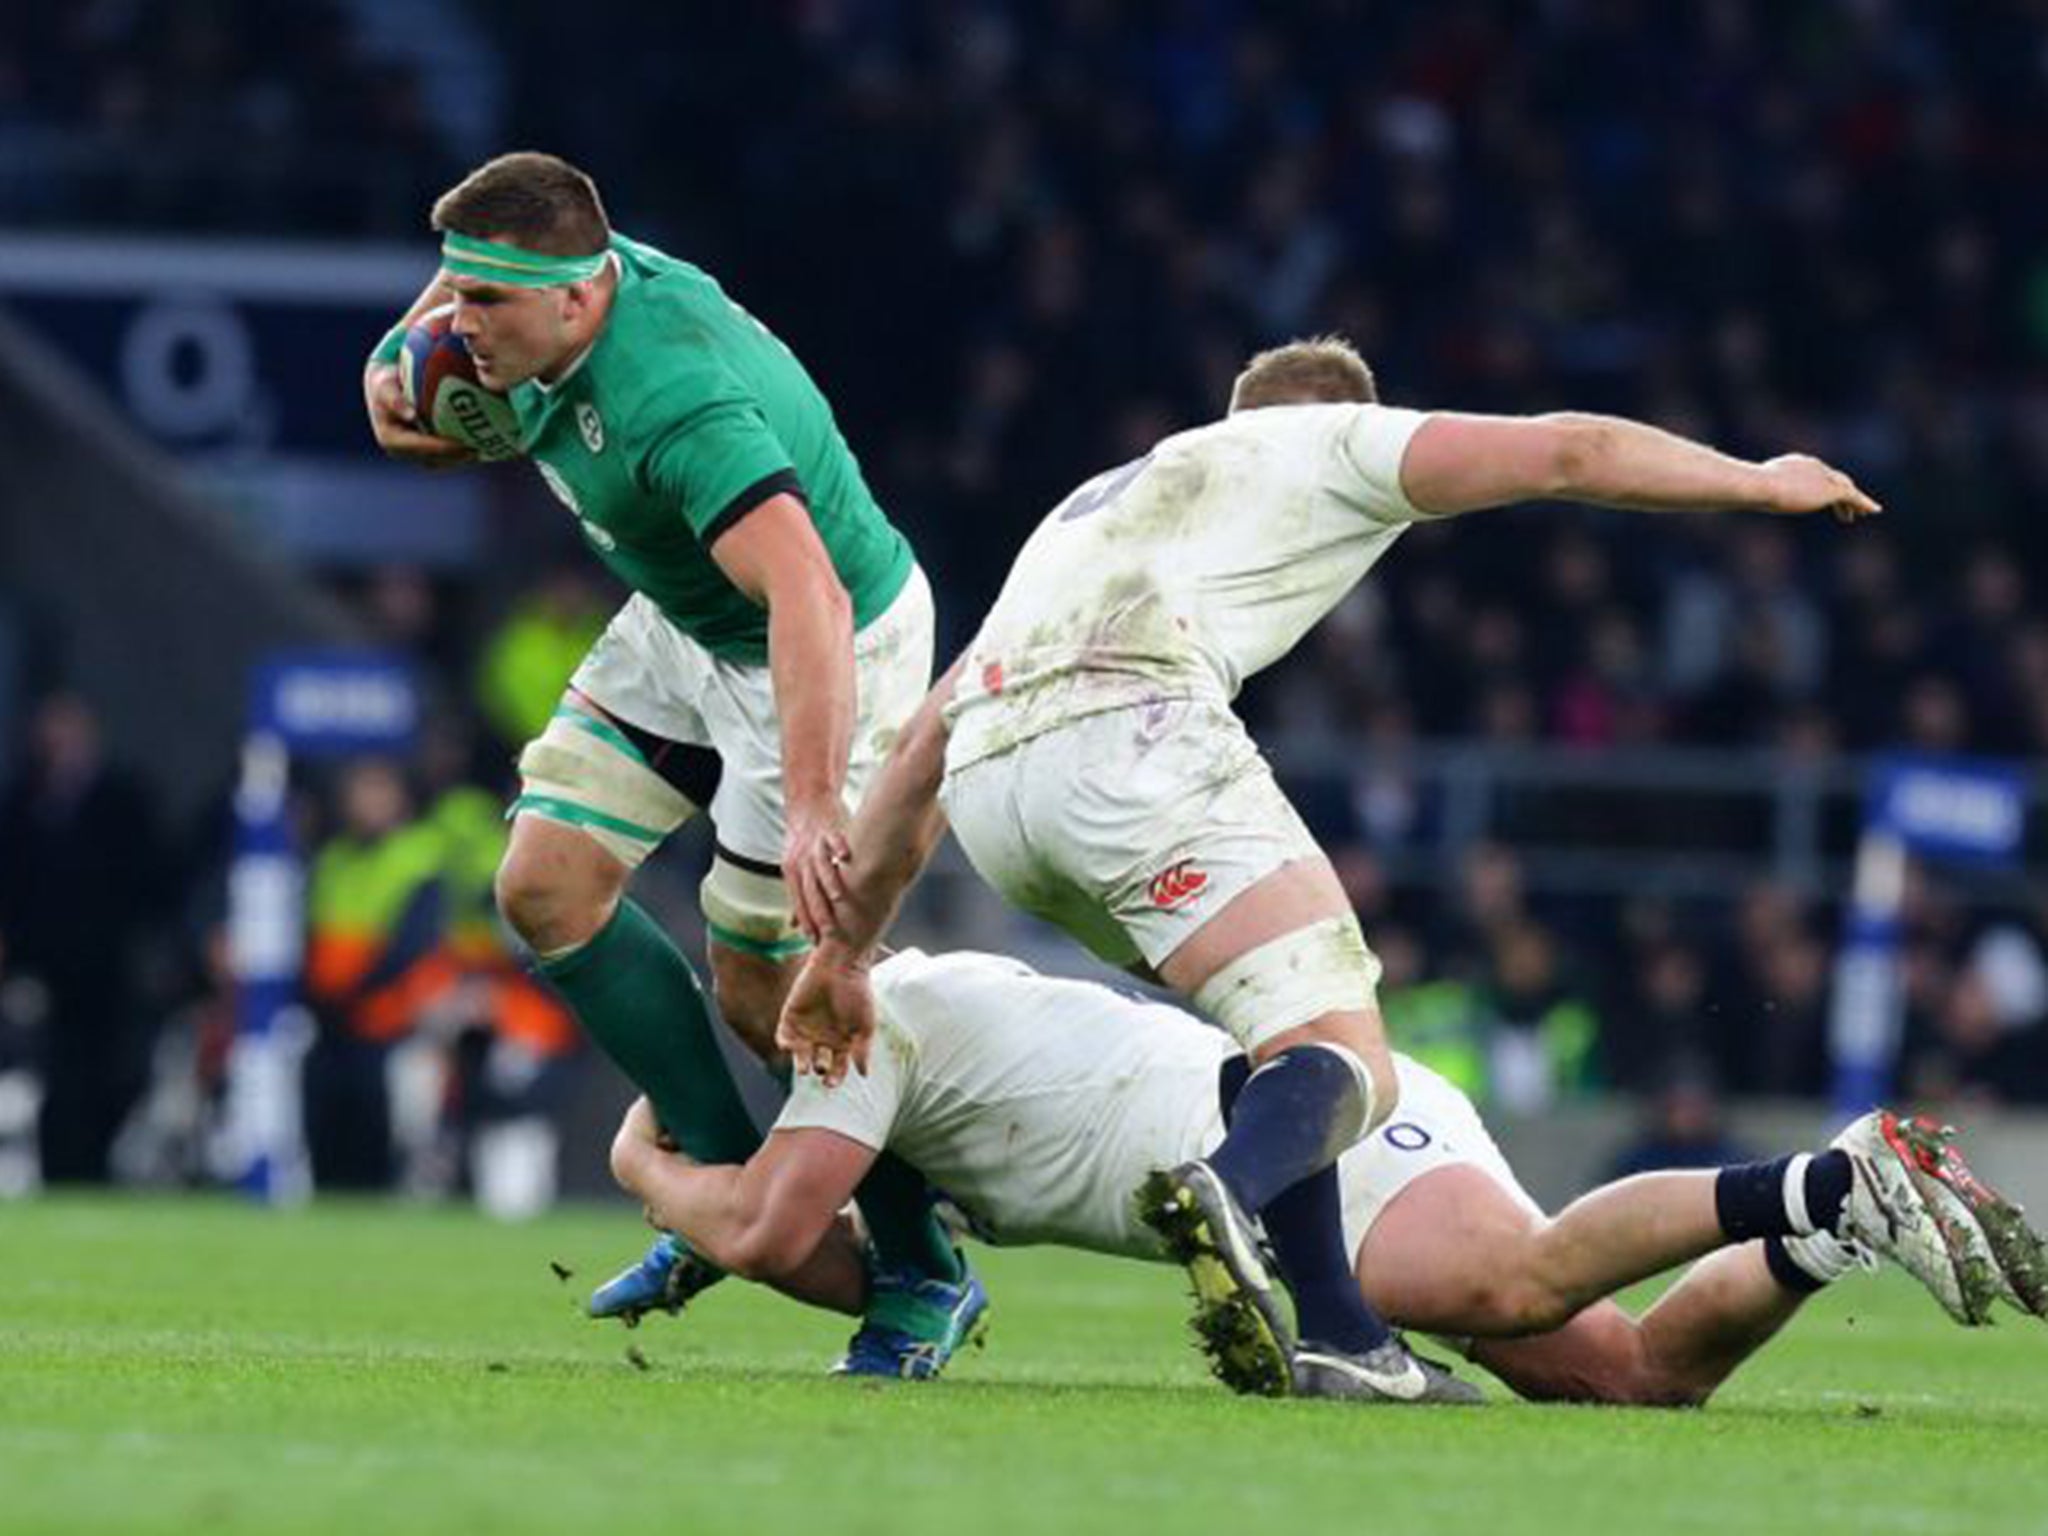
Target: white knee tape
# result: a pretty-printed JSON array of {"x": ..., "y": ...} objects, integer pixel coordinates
[
  {"x": 574, "y": 772},
  {"x": 1286, "y": 982},
  {"x": 749, "y": 911}
]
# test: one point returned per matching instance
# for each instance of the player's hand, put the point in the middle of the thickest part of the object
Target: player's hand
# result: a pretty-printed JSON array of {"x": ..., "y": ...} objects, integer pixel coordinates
[
  {"x": 638, "y": 1139},
  {"x": 639, "y": 1126},
  {"x": 828, "y": 1021},
  {"x": 1796, "y": 484},
  {"x": 397, "y": 429},
  {"x": 633, "y": 1143},
  {"x": 815, "y": 853}
]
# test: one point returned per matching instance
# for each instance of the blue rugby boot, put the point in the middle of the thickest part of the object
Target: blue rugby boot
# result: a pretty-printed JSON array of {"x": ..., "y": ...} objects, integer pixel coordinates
[
  {"x": 914, "y": 1326},
  {"x": 664, "y": 1280}
]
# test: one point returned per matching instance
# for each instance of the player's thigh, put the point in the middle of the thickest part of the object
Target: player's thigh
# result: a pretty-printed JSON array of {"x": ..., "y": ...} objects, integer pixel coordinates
[
  {"x": 892, "y": 658},
  {"x": 1441, "y": 1230},
  {"x": 627, "y": 758},
  {"x": 754, "y": 944},
  {"x": 646, "y": 675},
  {"x": 1170, "y": 814},
  {"x": 1284, "y": 963},
  {"x": 597, "y": 796},
  {"x": 1442, "y": 1255},
  {"x": 1212, "y": 874},
  {"x": 1288, "y": 898}
]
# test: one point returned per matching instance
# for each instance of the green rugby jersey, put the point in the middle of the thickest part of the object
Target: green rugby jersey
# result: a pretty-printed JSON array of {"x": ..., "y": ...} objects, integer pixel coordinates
[{"x": 683, "y": 416}]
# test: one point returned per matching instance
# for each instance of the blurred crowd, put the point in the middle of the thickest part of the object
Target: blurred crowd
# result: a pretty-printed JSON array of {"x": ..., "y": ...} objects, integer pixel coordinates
[
  {"x": 1016, "y": 242},
  {"x": 208, "y": 116},
  {"x": 434, "y": 1063},
  {"x": 1528, "y": 1001},
  {"x": 1021, "y": 240}
]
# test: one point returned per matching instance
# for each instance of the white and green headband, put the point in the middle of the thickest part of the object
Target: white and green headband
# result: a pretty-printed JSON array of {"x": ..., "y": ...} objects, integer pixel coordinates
[{"x": 491, "y": 262}]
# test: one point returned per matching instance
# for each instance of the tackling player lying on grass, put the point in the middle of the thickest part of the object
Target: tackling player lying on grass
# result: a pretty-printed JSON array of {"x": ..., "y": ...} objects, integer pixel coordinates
[
  {"x": 1038, "y": 1104},
  {"x": 1093, "y": 772}
]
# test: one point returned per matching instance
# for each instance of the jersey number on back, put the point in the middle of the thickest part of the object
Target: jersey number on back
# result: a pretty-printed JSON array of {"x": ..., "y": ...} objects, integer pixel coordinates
[{"x": 1098, "y": 493}]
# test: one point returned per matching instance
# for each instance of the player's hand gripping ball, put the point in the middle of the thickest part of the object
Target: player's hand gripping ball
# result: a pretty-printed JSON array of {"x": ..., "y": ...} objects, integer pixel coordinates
[{"x": 439, "y": 380}]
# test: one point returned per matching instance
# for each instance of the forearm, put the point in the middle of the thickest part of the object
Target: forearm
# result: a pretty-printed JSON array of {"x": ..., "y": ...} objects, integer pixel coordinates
[
  {"x": 723, "y": 1215},
  {"x": 810, "y": 663},
  {"x": 703, "y": 1201},
  {"x": 898, "y": 825},
  {"x": 1616, "y": 463}
]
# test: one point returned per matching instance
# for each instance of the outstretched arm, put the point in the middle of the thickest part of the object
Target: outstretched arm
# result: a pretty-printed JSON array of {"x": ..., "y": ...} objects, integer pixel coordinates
[
  {"x": 829, "y": 1017},
  {"x": 773, "y": 1218},
  {"x": 1457, "y": 463},
  {"x": 898, "y": 825}
]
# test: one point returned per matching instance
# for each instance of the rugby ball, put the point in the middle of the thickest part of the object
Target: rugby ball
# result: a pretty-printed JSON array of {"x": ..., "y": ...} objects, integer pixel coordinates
[{"x": 439, "y": 379}]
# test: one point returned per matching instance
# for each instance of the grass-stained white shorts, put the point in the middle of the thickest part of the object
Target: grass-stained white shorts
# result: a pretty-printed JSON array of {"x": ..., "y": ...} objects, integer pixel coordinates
[
  {"x": 646, "y": 672},
  {"x": 1129, "y": 828}
]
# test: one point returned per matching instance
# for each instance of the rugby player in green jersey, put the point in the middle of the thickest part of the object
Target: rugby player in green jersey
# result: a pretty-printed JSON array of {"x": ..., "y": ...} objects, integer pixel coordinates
[{"x": 778, "y": 635}]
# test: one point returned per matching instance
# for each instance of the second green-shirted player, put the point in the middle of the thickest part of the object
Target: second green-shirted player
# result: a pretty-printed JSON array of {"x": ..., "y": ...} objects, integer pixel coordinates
[{"x": 778, "y": 635}]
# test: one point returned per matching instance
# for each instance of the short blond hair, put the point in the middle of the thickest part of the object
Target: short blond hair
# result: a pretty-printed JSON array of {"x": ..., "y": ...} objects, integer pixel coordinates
[{"x": 1317, "y": 369}]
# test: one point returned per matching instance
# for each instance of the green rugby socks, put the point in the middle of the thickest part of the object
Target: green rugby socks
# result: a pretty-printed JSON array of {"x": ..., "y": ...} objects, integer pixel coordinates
[
  {"x": 636, "y": 995},
  {"x": 896, "y": 1204}
]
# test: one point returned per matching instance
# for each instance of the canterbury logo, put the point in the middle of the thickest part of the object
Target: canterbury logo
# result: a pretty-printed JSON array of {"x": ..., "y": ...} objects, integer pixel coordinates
[{"x": 1173, "y": 887}]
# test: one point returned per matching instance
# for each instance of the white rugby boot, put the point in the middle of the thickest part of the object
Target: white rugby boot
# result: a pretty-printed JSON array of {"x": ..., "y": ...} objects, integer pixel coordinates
[{"x": 1902, "y": 1212}]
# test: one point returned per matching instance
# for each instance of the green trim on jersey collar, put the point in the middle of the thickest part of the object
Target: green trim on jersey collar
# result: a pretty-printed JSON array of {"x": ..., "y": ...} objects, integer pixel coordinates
[{"x": 491, "y": 261}]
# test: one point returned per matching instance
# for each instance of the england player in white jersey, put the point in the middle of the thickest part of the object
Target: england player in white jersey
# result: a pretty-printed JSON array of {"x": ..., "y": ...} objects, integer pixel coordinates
[
  {"x": 1038, "y": 1104},
  {"x": 1097, "y": 777}
]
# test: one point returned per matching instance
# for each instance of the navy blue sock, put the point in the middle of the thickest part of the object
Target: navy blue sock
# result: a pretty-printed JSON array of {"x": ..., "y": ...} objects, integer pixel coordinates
[
  {"x": 1787, "y": 1271},
  {"x": 1275, "y": 1113},
  {"x": 1306, "y": 1227},
  {"x": 1282, "y": 1127},
  {"x": 1750, "y": 1198}
]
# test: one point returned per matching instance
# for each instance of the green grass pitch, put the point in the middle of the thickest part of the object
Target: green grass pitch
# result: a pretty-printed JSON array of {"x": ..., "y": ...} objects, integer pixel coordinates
[{"x": 197, "y": 1366}]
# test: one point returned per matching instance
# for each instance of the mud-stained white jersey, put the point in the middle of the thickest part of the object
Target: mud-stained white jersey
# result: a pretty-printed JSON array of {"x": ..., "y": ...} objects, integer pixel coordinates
[
  {"x": 1037, "y": 1104},
  {"x": 1186, "y": 571}
]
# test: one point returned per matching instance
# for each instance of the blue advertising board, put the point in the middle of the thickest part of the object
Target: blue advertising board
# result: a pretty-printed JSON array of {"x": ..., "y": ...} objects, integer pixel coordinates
[{"x": 313, "y": 704}]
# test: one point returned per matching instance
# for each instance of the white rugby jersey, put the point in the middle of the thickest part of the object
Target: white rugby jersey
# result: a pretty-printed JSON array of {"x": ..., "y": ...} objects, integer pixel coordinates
[
  {"x": 1037, "y": 1104},
  {"x": 1184, "y": 572}
]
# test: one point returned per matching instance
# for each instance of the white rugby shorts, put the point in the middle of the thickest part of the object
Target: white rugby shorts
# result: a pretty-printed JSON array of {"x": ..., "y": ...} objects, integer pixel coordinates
[
  {"x": 645, "y": 671},
  {"x": 1129, "y": 828}
]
